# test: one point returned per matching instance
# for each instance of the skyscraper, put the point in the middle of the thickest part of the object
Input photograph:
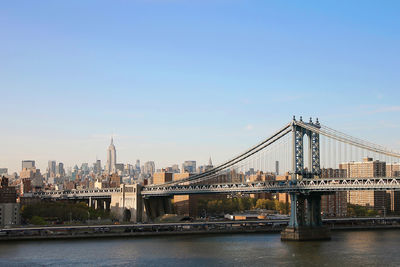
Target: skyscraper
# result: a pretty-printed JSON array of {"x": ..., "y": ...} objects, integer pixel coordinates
[
  {"x": 61, "y": 171},
  {"x": 28, "y": 164},
  {"x": 189, "y": 166},
  {"x": 51, "y": 169},
  {"x": 111, "y": 157},
  {"x": 97, "y": 167},
  {"x": 137, "y": 166}
]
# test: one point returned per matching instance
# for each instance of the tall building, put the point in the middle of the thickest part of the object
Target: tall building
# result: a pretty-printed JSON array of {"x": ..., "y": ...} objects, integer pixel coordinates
[
  {"x": 61, "y": 170},
  {"x": 111, "y": 158},
  {"x": 137, "y": 166},
  {"x": 149, "y": 168},
  {"x": 34, "y": 176},
  {"x": 28, "y": 164},
  {"x": 189, "y": 166},
  {"x": 97, "y": 167},
  {"x": 85, "y": 168},
  {"x": 368, "y": 168},
  {"x": 51, "y": 168}
]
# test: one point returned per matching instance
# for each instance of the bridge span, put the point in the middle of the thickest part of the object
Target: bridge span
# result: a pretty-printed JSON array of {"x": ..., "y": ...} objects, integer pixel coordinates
[{"x": 319, "y": 160}]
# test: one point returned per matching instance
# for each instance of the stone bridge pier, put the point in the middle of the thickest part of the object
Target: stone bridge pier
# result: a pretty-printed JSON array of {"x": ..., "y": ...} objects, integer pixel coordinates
[
  {"x": 305, "y": 219},
  {"x": 157, "y": 206}
]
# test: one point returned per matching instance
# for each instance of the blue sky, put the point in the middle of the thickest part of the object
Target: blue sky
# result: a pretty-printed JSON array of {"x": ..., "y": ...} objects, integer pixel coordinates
[{"x": 179, "y": 80}]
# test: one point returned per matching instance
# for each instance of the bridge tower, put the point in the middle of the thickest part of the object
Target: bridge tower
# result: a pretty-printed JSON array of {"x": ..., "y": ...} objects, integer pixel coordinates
[{"x": 305, "y": 218}]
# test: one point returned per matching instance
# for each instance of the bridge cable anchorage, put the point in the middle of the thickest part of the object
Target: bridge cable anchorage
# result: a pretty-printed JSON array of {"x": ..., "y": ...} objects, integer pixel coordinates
[{"x": 279, "y": 134}]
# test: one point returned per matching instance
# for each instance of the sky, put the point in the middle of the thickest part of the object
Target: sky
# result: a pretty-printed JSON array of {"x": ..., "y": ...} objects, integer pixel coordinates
[{"x": 182, "y": 80}]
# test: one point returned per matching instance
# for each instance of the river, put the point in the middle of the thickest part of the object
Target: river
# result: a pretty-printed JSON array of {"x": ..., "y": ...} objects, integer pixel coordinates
[{"x": 347, "y": 248}]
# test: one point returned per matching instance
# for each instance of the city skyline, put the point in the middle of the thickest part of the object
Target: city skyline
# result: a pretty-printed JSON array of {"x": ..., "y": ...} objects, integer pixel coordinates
[{"x": 214, "y": 85}]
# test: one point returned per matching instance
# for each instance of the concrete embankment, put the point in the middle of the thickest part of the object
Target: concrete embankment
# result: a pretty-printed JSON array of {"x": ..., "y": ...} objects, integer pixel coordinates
[
  {"x": 183, "y": 232},
  {"x": 140, "y": 234}
]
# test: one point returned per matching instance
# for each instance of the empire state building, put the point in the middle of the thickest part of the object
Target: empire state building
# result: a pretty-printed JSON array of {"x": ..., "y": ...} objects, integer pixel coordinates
[{"x": 111, "y": 158}]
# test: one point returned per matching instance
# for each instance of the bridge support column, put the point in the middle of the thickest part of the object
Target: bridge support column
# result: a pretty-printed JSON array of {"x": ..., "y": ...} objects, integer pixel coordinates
[
  {"x": 305, "y": 219},
  {"x": 157, "y": 206}
]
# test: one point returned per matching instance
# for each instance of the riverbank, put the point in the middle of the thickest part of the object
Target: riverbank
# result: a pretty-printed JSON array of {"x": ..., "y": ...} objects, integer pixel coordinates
[{"x": 182, "y": 232}]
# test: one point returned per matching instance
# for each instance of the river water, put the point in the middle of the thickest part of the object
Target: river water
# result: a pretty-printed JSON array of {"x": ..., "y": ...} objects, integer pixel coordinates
[{"x": 347, "y": 248}]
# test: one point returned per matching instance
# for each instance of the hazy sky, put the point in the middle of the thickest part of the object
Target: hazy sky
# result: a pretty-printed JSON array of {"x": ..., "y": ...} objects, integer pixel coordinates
[{"x": 181, "y": 80}]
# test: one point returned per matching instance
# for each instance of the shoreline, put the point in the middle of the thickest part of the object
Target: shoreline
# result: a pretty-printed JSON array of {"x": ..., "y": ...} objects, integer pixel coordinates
[{"x": 181, "y": 233}]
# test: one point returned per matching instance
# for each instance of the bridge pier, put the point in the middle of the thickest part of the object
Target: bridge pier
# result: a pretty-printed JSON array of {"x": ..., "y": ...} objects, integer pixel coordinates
[
  {"x": 157, "y": 206},
  {"x": 305, "y": 219}
]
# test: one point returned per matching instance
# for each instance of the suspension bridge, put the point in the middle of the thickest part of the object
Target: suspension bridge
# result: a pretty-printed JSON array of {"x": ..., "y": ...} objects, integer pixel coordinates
[{"x": 302, "y": 150}]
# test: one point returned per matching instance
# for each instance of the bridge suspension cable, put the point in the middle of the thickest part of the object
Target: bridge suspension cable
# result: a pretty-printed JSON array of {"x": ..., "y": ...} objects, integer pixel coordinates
[
  {"x": 342, "y": 137},
  {"x": 243, "y": 156}
]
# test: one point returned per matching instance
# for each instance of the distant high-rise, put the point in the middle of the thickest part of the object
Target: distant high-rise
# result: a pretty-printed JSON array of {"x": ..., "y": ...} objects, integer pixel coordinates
[
  {"x": 51, "y": 169},
  {"x": 28, "y": 164},
  {"x": 3, "y": 171},
  {"x": 137, "y": 166},
  {"x": 189, "y": 166},
  {"x": 97, "y": 167},
  {"x": 149, "y": 168},
  {"x": 61, "y": 171},
  {"x": 111, "y": 157}
]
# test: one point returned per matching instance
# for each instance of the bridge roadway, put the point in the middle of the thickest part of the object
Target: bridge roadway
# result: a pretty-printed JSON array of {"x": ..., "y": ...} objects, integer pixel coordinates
[
  {"x": 303, "y": 186},
  {"x": 75, "y": 194}
]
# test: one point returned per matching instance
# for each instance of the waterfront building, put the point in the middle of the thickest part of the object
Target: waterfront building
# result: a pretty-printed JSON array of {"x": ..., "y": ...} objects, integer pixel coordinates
[
  {"x": 9, "y": 208},
  {"x": 368, "y": 168},
  {"x": 111, "y": 158},
  {"x": 335, "y": 204}
]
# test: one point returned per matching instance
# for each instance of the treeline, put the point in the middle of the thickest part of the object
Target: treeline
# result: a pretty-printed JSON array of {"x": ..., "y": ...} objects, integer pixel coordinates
[
  {"x": 60, "y": 212},
  {"x": 360, "y": 211},
  {"x": 231, "y": 205}
]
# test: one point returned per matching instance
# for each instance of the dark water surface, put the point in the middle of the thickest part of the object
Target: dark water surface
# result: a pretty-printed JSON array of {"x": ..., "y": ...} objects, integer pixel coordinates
[{"x": 352, "y": 248}]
